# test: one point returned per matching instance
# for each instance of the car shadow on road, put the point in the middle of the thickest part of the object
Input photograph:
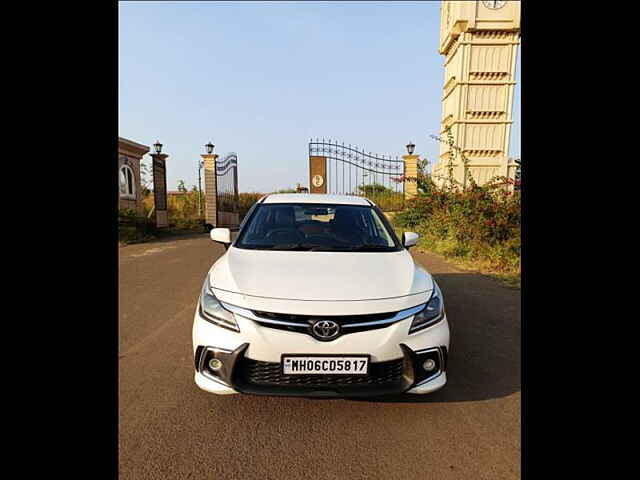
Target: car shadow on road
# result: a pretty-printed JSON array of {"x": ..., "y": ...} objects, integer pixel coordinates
[{"x": 484, "y": 354}]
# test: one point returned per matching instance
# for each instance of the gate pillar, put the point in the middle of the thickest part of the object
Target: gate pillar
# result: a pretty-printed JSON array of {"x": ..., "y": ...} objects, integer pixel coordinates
[
  {"x": 160, "y": 189},
  {"x": 317, "y": 174},
  {"x": 410, "y": 171},
  {"x": 210, "y": 190}
]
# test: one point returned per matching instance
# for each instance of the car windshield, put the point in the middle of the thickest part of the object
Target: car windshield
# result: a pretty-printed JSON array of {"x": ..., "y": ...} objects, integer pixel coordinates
[{"x": 317, "y": 227}]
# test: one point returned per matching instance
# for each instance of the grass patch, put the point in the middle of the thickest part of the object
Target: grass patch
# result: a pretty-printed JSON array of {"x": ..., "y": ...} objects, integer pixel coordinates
[{"x": 461, "y": 257}]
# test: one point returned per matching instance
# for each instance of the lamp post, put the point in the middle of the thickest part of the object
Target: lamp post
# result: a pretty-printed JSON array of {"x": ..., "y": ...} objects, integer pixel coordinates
[
  {"x": 209, "y": 146},
  {"x": 160, "y": 185}
]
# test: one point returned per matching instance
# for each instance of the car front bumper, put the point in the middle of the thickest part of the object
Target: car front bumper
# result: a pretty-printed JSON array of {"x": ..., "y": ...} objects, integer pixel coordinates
[{"x": 251, "y": 360}]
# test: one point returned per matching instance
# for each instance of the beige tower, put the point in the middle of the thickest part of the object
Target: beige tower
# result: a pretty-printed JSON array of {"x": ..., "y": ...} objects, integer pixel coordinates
[{"x": 479, "y": 40}]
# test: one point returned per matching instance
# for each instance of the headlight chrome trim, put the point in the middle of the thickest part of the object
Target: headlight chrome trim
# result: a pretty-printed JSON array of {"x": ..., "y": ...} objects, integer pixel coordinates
[
  {"x": 436, "y": 292},
  {"x": 215, "y": 320}
]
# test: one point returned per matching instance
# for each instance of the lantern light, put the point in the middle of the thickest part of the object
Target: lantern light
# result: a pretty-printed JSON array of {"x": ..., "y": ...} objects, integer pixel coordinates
[{"x": 410, "y": 148}]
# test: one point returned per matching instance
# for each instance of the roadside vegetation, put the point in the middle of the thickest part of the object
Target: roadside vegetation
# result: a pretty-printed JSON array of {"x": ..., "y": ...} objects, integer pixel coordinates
[
  {"x": 133, "y": 228},
  {"x": 182, "y": 212},
  {"x": 384, "y": 197},
  {"x": 477, "y": 227},
  {"x": 247, "y": 199}
]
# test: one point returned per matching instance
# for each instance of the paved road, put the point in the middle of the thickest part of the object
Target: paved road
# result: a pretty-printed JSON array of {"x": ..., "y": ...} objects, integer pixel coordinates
[{"x": 170, "y": 429}]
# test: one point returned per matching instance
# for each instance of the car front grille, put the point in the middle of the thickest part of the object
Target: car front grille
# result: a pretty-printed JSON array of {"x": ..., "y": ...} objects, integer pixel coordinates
[
  {"x": 303, "y": 323},
  {"x": 304, "y": 320},
  {"x": 258, "y": 373}
]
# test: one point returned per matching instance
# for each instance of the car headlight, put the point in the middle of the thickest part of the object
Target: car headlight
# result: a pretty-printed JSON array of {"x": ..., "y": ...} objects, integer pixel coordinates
[
  {"x": 212, "y": 310},
  {"x": 432, "y": 313}
]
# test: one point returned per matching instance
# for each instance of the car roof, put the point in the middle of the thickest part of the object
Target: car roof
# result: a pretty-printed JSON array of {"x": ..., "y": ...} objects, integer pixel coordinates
[{"x": 316, "y": 198}]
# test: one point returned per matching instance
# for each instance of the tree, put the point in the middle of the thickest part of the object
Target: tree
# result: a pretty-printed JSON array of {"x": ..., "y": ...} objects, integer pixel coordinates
[
  {"x": 146, "y": 178},
  {"x": 425, "y": 182}
]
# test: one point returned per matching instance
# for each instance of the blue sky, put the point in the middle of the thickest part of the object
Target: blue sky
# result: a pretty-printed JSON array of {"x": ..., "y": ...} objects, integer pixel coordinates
[{"x": 262, "y": 78}]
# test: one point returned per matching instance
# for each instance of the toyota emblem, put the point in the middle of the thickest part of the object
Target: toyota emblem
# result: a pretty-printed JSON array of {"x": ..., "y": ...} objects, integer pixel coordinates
[{"x": 325, "y": 329}]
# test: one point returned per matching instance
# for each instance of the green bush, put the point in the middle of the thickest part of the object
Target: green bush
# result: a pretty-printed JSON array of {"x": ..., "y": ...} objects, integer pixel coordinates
[
  {"x": 184, "y": 206},
  {"x": 286, "y": 190},
  {"x": 195, "y": 224},
  {"x": 386, "y": 198},
  {"x": 247, "y": 199},
  {"x": 133, "y": 228},
  {"x": 481, "y": 223},
  {"x": 388, "y": 201}
]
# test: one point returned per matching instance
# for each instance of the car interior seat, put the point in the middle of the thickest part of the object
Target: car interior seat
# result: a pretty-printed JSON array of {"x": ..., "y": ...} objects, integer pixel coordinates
[{"x": 282, "y": 229}]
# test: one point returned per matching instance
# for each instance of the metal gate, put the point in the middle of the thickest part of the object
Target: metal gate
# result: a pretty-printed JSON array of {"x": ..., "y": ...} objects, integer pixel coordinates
[
  {"x": 351, "y": 171},
  {"x": 227, "y": 199}
]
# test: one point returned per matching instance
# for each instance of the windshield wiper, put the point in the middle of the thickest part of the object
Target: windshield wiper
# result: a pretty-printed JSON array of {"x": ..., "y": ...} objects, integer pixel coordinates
[
  {"x": 321, "y": 248},
  {"x": 287, "y": 246},
  {"x": 371, "y": 248},
  {"x": 351, "y": 248},
  {"x": 310, "y": 247}
]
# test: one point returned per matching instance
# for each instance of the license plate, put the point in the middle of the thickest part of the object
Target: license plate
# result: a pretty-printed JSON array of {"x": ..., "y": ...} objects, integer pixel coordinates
[{"x": 325, "y": 364}]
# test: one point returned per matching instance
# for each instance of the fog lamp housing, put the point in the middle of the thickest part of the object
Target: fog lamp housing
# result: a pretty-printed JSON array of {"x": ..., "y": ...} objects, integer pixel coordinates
[
  {"x": 215, "y": 364},
  {"x": 429, "y": 364}
]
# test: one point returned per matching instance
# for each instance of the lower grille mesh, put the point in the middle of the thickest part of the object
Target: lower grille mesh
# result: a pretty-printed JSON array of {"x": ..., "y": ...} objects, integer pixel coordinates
[{"x": 268, "y": 373}]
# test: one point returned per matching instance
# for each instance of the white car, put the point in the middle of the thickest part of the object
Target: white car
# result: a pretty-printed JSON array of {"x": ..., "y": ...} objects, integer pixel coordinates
[{"x": 317, "y": 297}]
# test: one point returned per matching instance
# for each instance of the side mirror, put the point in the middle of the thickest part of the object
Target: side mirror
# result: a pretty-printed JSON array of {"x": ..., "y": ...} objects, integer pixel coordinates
[
  {"x": 222, "y": 235},
  {"x": 409, "y": 239}
]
